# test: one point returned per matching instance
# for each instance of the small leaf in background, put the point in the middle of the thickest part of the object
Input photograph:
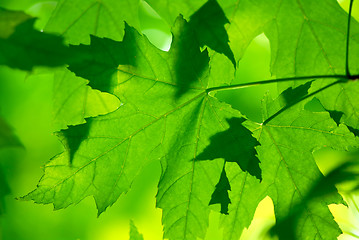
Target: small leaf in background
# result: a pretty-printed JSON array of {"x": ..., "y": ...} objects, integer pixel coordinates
[
  {"x": 7, "y": 137},
  {"x": 4, "y": 190},
  {"x": 7, "y": 140},
  {"x": 134, "y": 234}
]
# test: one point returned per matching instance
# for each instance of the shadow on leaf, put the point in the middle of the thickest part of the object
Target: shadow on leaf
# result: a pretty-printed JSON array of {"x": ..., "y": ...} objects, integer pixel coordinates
[
  {"x": 36, "y": 49},
  {"x": 220, "y": 194},
  {"x": 72, "y": 137},
  {"x": 236, "y": 144},
  {"x": 205, "y": 28},
  {"x": 99, "y": 61}
]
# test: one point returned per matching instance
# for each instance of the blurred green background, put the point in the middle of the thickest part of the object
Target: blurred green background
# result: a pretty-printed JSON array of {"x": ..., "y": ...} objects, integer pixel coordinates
[{"x": 26, "y": 104}]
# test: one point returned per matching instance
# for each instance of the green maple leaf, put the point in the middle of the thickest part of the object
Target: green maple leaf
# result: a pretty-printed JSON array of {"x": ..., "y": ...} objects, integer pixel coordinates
[
  {"x": 287, "y": 140},
  {"x": 170, "y": 114},
  {"x": 320, "y": 49},
  {"x": 289, "y": 170},
  {"x": 309, "y": 38},
  {"x": 208, "y": 25},
  {"x": 344, "y": 173},
  {"x": 103, "y": 19},
  {"x": 36, "y": 49},
  {"x": 201, "y": 30},
  {"x": 73, "y": 100},
  {"x": 343, "y": 99},
  {"x": 75, "y": 20},
  {"x": 105, "y": 155}
]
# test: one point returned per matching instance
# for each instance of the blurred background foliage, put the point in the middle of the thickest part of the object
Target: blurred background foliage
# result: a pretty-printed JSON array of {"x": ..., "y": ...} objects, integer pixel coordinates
[{"x": 26, "y": 104}]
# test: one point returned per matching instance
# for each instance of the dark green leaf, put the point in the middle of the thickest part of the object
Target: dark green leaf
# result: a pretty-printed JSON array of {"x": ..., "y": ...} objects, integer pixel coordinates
[{"x": 23, "y": 47}]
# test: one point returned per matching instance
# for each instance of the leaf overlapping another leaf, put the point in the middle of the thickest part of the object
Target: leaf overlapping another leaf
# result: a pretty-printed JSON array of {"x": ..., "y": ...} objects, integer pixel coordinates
[
  {"x": 319, "y": 49},
  {"x": 289, "y": 170},
  {"x": 36, "y": 49},
  {"x": 111, "y": 150},
  {"x": 169, "y": 112}
]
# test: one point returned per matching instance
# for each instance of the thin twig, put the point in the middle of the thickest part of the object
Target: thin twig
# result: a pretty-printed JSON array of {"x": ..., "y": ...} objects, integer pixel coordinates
[{"x": 302, "y": 99}]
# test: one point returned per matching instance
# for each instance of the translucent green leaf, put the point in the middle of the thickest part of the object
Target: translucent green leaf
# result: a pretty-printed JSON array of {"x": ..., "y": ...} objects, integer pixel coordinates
[
  {"x": 346, "y": 172},
  {"x": 288, "y": 168},
  {"x": 246, "y": 193},
  {"x": 104, "y": 155},
  {"x": 309, "y": 38},
  {"x": 77, "y": 19},
  {"x": 76, "y": 101},
  {"x": 320, "y": 31}
]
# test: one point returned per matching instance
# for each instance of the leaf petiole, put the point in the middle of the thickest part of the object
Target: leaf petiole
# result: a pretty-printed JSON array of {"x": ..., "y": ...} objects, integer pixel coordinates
[
  {"x": 269, "y": 81},
  {"x": 342, "y": 80}
]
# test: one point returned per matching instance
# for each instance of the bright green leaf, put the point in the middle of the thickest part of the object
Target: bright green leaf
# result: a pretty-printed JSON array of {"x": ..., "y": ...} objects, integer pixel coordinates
[
  {"x": 76, "y": 101},
  {"x": 77, "y": 19},
  {"x": 105, "y": 155},
  {"x": 288, "y": 168},
  {"x": 246, "y": 193}
]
